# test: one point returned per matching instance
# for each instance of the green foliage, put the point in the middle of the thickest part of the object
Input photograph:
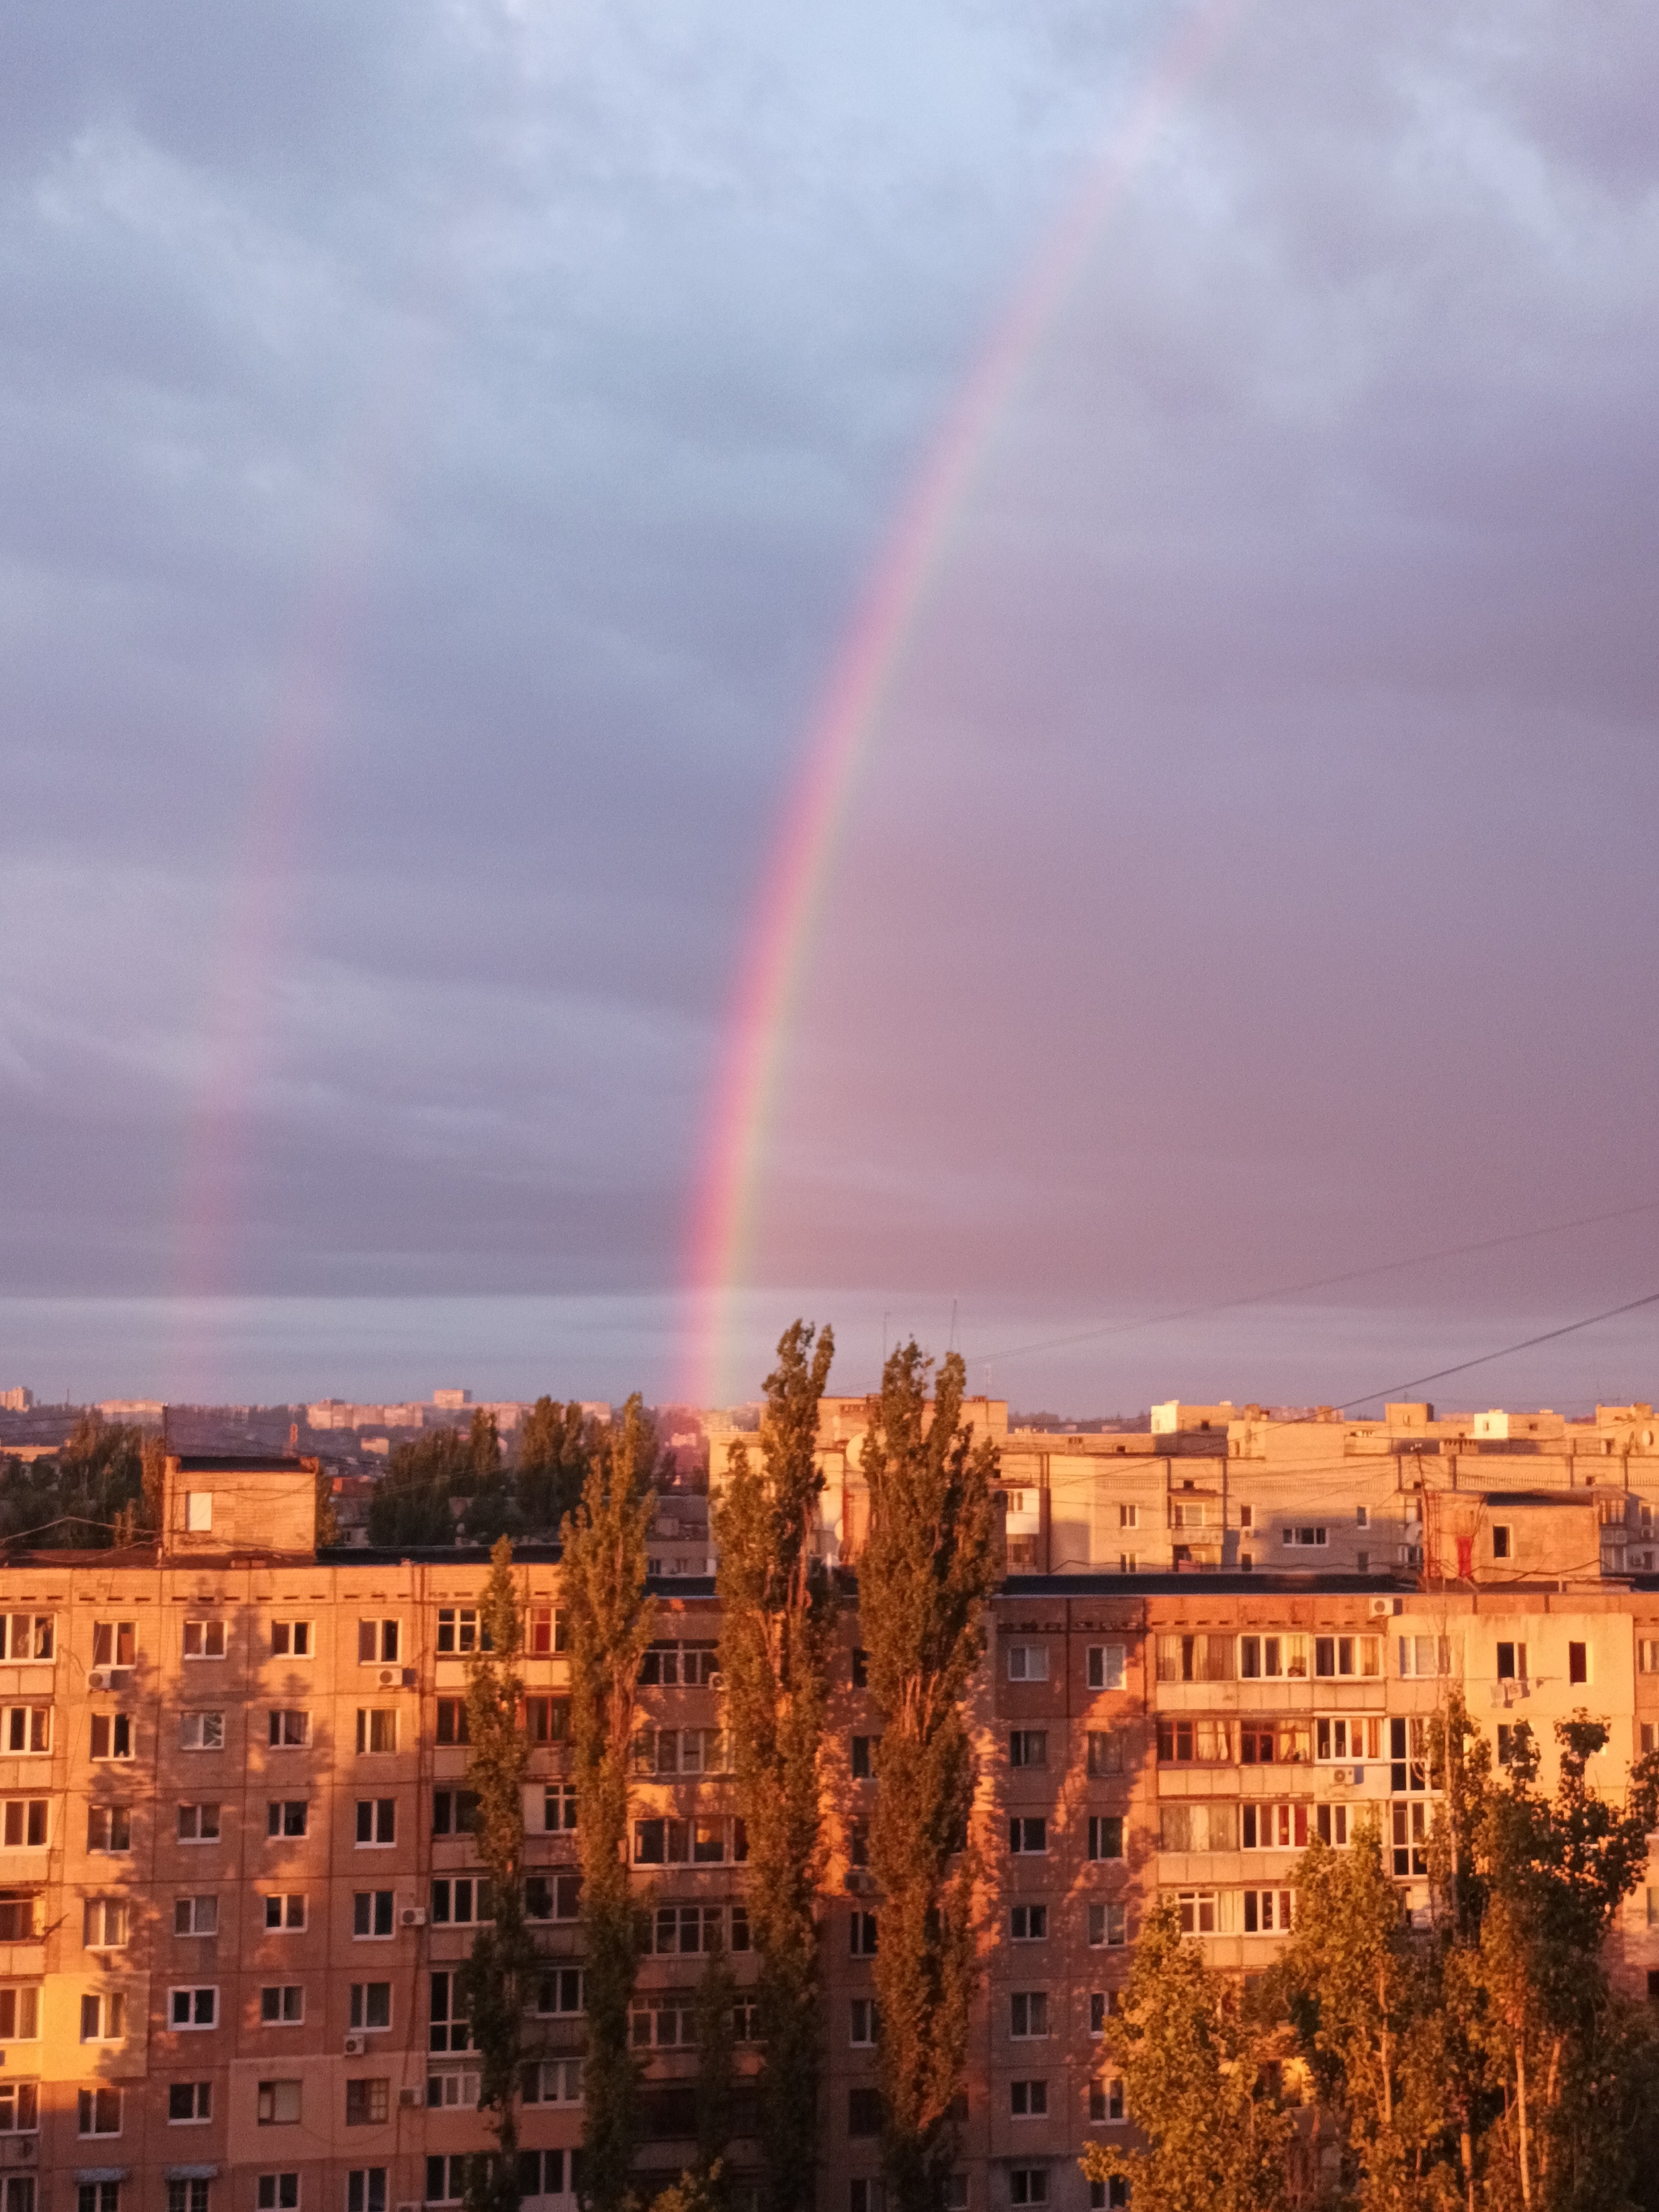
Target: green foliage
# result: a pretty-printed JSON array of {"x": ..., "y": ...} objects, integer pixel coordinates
[
  {"x": 610, "y": 1619},
  {"x": 554, "y": 1444},
  {"x": 91, "y": 1494},
  {"x": 498, "y": 1977},
  {"x": 697, "y": 2190},
  {"x": 928, "y": 1565},
  {"x": 774, "y": 1624},
  {"x": 717, "y": 1992},
  {"x": 411, "y": 1504},
  {"x": 328, "y": 1525},
  {"x": 1196, "y": 2084}
]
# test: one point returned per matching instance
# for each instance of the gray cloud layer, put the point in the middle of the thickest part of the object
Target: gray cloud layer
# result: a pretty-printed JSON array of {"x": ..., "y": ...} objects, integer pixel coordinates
[{"x": 440, "y": 446}]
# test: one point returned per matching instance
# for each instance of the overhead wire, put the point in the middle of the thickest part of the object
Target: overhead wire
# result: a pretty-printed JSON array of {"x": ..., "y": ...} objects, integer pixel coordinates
[{"x": 1550, "y": 1335}]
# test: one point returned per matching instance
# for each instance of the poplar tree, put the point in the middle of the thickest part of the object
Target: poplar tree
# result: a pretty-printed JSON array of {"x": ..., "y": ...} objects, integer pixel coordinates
[
  {"x": 929, "y": 1563},
  {"x": 610, "y": 1619},
  {"x": 774, "y": 1627},
  {"x": 1195, "y": 2086},
  {"x": 498, "y": 1980},
  {"x": 554, "y": 1443}
]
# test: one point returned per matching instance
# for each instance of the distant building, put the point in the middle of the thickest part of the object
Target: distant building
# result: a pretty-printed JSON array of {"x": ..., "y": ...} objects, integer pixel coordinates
[{"x": 17, "y": 1401}]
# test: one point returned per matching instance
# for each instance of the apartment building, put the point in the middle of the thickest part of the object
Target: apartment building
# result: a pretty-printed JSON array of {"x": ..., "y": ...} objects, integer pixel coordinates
[{"x": 236, "y": 1877}]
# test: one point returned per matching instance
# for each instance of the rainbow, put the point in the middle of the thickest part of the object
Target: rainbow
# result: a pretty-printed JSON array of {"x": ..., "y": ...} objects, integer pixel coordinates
[{"x": 794, "y": 888}]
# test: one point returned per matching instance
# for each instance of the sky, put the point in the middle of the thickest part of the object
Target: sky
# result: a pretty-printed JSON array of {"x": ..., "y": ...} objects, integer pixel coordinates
[{"x": 444, "y": 449}]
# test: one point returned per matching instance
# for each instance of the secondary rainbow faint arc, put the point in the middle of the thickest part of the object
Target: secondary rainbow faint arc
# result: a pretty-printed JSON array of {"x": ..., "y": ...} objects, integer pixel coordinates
[{"x": 799, "y": 866}]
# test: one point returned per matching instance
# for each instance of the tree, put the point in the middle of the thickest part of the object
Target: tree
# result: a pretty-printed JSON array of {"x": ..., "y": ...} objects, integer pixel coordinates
[
  {"x": 554, "y": 1443},
  {"x": 610, "y": 1621},
  {"x": 411, "y": 1502},
  {"x": 774, "y": 1621},
  {"x": 1196, "y": 2083},
  {"x": 86, "y": 1497},
  {"x": 927, "y": 1569},
  {"x": 717, "y": 1996},
  {"x": 499, "y": 1976}
]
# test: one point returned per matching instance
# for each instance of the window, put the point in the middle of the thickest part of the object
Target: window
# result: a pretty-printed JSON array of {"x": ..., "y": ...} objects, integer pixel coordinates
[
  {"x": 1105, "y": 1836},
  {"x": 114, "y": 1644},
  {"x": 547, "y": 1720},
  {"x": 862, "y": 2023},
  {"x": 377, "y": 1820},
  {"x": 1106, "y": 1666},
  {"x": 199, "y": 1824},
  {"x": 558, "y": 1807},
  {"x": 662, "y": 1750},
  {"x": 1105, "y": 1754},
  {"x": 278, "y": 2105},
  {"x": 286, "y": 1816},
  {"x": 104, "y": 1924},
  {"x": 23, "y": 1826},
  {"x": 1029, "y": 1923},
  {"x": 195, "y": 1916},
  {"x": 1108, "y": 1927},
  {"x": 283, "y": 2005},
  {"x": 454, "y": 1811},
  {"x": 451, "y": 2028},
  {"x": 863, "y": 2112},
  {"x": 371, "y": 1913},
  {"x": 1408, "y": 1749},
  {"x": 289, "y": 1731},
  {"x": 1194, "y": 1743},
  {"x": 1578, "y": 1662},
  {"x": 201, "y": 1731},
  {"x": 548, "y": 1632},
  {"x": 702, "y": 1842},
  {"x": 198, "y": 2008},
  {"x": 1342, "y": 1736},
  {"x": 189, "y": 2103},
  {"x": 1197, "y": 1911},
  {"x": 1028, "y": 2013},
  {"x": 109, "y": 1828},
  {"x": 99, "y": 2112},
  {"x": 1647, "y": 1656},
  {"x": 25, "y": 1729},
  {"x": 278, "y": 2192},
  {"x": 459, "y": 1629},
  {"x": 1129, "y": 1517},
  {"x": 1337, "y": 1655},
  {"x": 365, "y": 2188},
  {"x": 1267, "y": 1911},
  {"x": 1268, "y": 1743},
  {"x": 26, "y": 1636},
  {"x": 861, "y": 1935},
  {"x": 370, "y": 2004},
  {"x": 377, "y": 1728},
  {"x": 663, "y": 2021},
  {"x": 1028, "y": 2100},
  {"x": 89, "y": 2197},
  {"x": 20, "y": 2107},
  {"x": 1186, "y": 1826},
  {"x": 1425, "y": 1656},
  {"x": 1273, "y": 1658},
  {"x": 451, "y": 1722},
  {"x": 861, "y": 1668},
  {"x": 1102, "y": 2003},
  {"x": 1128, "y": 1562},
  {"x": 377, "y": 1642},
  {"x": 1106, "y": 2103},
  {"x": 863, "y": 1758},
  {"x": 198, "y": 1511},
  {"x": 1304, "y": 1538},
  {"x": 1028, "y": 2185},
  {"x": 692, "y": 1928},
  {"x": 368, "y": 2103},
  {"x": 19, "y": 1916},
  {"x": 1409, "y": 1838},
  {"x": 1028, "y": 1747},
  {"x": 110, "y": 1735},
  {"x": 1028, "y": 1662},
  {"x": 290, "y": 1639},
  {"x": 668, "y": 1666},
  {"x": 103, "y": 2016},
  {"x": 464, "y": 1903},
  {"x": 454, "y": 2087},
  {"x": 1195, "y": 1658},
  {"x": 554, "y": 2082},
  {"x": 549, "y": 1897},
  {"x": 559, "y": 1994},
  {"x": 1278, "y": 1827},
  {"x": 1511, "y": 1662},
  {"x": 1028, "y": 1835},
  {"x": 205, "y": 1639},
  {"x": 284, "y": 1911},
  {"x": 1500, "y": 1541}
]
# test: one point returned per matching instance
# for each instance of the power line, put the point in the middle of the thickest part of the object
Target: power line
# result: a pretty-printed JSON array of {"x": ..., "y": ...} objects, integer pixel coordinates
[
  {"x": 1399, "y": 1389},
  {"x": 1331, "y": 1282}
]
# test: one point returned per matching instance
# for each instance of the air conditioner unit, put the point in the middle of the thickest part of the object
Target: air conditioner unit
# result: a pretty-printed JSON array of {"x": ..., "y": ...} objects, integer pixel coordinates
[
  {"x": 99, "y": 1678},
  {"x": 717, "y": 1682},
  {"x": 355, "y": 2046},
  {"x": 414, "y": 1916},
  {"x": 411, "y": 2097},
  {"x": 397, "y": 1678},
  {"x": 1381, "y": 1606}
]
